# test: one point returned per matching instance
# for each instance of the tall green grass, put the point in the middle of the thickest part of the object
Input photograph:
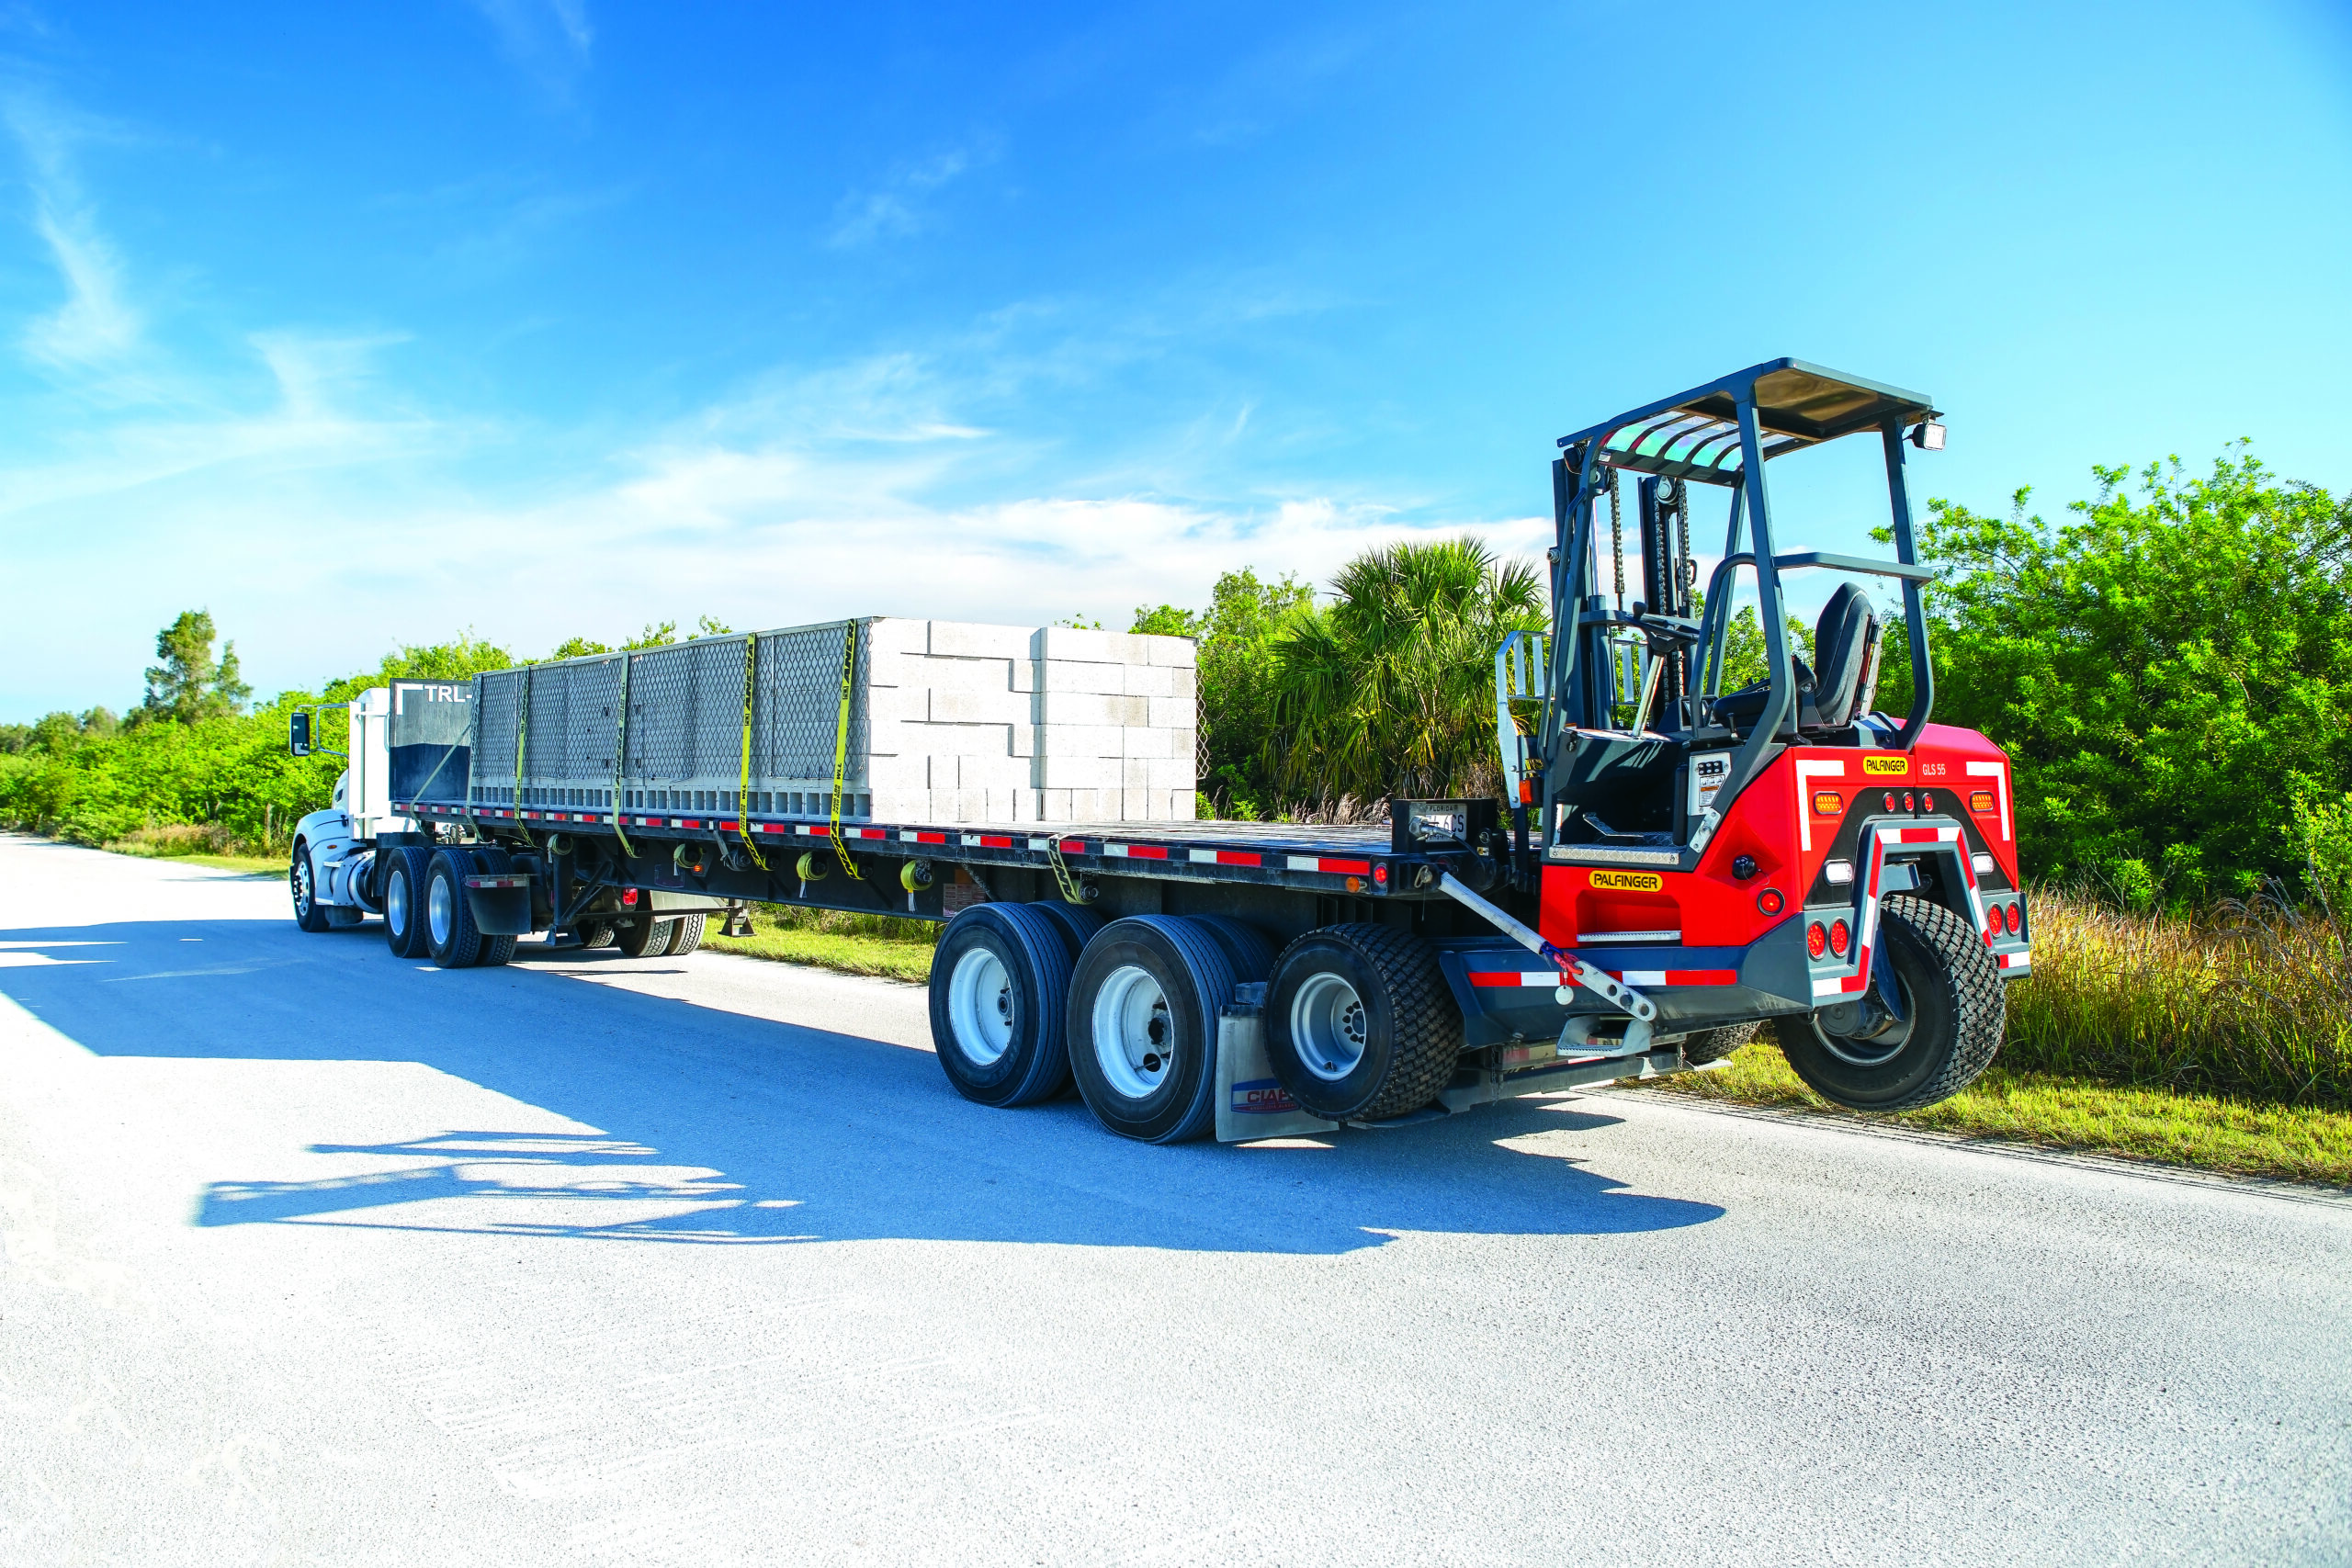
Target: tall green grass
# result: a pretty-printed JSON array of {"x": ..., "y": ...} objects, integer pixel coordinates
[{"x": 2251, "y": 999}]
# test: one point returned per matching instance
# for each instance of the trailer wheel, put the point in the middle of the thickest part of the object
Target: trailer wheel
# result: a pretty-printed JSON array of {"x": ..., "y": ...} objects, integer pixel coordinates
[
  {"x": 1714, "y": 1045},
  {"x": 645, "y": 937},
  {"x": 687, "y": 936},
  {"x": 404, "y": 867},
  {"x": 310, "y": 915},
  {"x": 1077, "y": 923},
  {"x": 1143, "y": 1024},
  {"x": 1360, "y": 1024},
  {"x": 449, "y": 929},
  {"x": 1956, "y": 1010},
  {"x": 597, "y": 934},
  {"x": 1247, "y": 951},
  {"x": 495, "y": 949},
  {"x": 999, "y": 984}
]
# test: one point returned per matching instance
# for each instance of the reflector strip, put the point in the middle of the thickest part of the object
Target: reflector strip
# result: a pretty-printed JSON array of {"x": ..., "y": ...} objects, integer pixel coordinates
[
  {"x": 988, "y": 840},
  {"x": 920, "y": 838},
  {"x": 1336, "y": 867},
  {"x": 1136, "y": 852},
  {"x": 1228, "y": 857}
]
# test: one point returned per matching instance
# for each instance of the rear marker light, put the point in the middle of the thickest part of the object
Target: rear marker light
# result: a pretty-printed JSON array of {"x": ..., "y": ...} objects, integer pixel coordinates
[
  {"x": 1839, "y": 937},
  {"x": 2014, "y": 918},
  {"x": 1827, "y": 803},
  {"x": 1769, "y": 900},
  {"x": 1981, "y": 800},
  {"x": 1906, "y": 803},
  {"x": 1926, "y": 802},
  {"x": 1816, "y": 941},
  {"x": 1992, "y": 925},
  {"x": 1838, "y": 872},
  {"x": 1890, "y": 800},
  {"x": 1380, "y": 874}
]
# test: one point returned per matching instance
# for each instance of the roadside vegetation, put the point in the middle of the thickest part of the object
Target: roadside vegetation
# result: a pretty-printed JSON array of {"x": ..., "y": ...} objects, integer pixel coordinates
[{"x": 2169, "y": 667}]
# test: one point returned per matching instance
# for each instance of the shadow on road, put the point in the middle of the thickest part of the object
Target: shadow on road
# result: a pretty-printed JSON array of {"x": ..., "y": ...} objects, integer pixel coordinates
[{"x": 721, "y": 1128}]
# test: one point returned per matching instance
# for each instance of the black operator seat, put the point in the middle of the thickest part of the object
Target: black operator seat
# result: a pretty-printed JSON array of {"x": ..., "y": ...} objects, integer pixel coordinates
[{"x": 1846, "y": 642}]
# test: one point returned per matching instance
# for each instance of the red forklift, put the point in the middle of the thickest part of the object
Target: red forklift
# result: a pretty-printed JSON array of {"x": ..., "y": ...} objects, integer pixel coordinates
[{"x": 1778, "y": 852}]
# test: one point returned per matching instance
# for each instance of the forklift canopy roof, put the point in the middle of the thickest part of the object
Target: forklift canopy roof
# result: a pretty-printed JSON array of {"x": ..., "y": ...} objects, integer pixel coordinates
[{"x": 1696, "y": 435}]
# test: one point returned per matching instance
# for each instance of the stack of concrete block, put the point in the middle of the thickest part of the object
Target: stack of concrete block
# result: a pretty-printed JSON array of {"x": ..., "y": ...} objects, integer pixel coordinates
[{"x": 971, "y": 723}]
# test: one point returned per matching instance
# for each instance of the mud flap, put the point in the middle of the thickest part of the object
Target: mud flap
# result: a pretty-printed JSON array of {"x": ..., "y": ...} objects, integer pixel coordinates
[{"x": 1252, "y": 1101}]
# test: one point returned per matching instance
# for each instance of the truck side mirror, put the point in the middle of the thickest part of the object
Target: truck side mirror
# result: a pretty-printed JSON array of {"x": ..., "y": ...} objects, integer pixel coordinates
[{"x": 297, "y": 734}]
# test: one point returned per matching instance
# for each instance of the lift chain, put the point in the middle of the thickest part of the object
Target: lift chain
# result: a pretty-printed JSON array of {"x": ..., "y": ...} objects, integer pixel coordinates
[{"x": 1617, "y": 538}]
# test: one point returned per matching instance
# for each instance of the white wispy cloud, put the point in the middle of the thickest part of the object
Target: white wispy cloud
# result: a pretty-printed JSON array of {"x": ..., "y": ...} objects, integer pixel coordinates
[
  {"x": 95, "y": 325},
  {"x": 902, "y": 204},
  {"x": 550, "y": 40}
]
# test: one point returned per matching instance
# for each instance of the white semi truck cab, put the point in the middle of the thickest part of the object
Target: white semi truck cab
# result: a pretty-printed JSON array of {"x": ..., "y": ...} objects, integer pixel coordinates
[{"x": 334, "y": 850}]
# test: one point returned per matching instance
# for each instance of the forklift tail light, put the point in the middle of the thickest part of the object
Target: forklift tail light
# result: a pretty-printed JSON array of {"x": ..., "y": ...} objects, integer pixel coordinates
[
  {"x": 1981, "y": 800},
  {"x": 1839, "y": 937},
  {"x": 1827, "y": 803},
  {"x": 1816, "y": 941}
]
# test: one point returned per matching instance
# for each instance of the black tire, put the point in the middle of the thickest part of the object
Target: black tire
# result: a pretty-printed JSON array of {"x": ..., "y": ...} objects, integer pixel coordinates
[
  {"x": 1077, "y": 923},
  {"x": 1249, "y": 951},
  {"x": 450, "y": 934},
  {"x": 1957, "y": 1010},
  {"x": 687, "y": 936},
  {"x": 1714, "y": 1045},
  {"x": 1367, "y": 1008},
  {"x": 1000, "y": 988},
  {"x": 405, "y": 867},
  {"x": 310, "y": 915},
  {"x": 597, "y": 934},
  {"x": 1157, "y": 984},
  {"x": 495, "y": 949},
  {"x": 646, "y": 937}
]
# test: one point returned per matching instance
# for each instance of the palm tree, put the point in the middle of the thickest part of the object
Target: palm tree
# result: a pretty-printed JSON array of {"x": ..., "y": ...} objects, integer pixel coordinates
[{"x": 1388, "y": 689}]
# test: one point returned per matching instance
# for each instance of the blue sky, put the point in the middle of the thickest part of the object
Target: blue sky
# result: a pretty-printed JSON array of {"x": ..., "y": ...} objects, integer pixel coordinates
[{"x": 364, "y": 324}]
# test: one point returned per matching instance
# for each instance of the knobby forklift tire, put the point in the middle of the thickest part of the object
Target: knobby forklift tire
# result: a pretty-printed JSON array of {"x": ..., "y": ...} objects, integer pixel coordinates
[
  {"x": 646, "y": 937},
  {"x": 450, "y": 934},
  {"x": 999, "y": 986},
  {"x": 1957, "y": 1006},
  {"x": 1144, "y": 1006},
  {"x": 1360, "y": 1024},
  {"x": 405, "y": 867},
  {"x": 310, "y": 915},
  {"x": 688, "y": 935},
  {"x": 1714, "y": 1045}
]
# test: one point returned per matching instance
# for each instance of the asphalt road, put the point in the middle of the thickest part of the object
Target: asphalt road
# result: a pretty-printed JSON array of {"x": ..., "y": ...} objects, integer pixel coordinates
[{"x": 314, "y": 1256}]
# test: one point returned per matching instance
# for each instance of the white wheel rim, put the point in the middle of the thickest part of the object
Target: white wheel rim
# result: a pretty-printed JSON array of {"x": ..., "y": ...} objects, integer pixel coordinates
[
  {"x": 1327, "y": 1026},
  {"x": 302, "y": 886},
  {"x": 396, "y": 903},
  {"x": 1134, "y": 1031},
  {"x": 439, "y": 915},
  {"x": 980, "y": 1006}
]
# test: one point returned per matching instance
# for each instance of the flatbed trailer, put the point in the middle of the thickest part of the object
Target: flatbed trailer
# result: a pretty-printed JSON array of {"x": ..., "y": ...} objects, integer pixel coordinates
[{"x": 1679, "y": 863}]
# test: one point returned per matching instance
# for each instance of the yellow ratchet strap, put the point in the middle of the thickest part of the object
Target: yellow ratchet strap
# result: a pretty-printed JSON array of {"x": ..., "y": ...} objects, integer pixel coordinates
[
  {"x": 521, "y": 737},
  {"x": 620, "y": 760},
  {"x": 840, "y": 745},
  {"x": 743, "y": 790}
]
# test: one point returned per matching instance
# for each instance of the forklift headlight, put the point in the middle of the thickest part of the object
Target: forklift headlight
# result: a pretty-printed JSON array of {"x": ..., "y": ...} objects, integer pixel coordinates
[{"x": 1927, "y": 437}]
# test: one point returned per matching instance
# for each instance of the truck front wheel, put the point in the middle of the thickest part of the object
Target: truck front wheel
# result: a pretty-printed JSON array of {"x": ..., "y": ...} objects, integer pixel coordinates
[
  {"x": 1942, "y": 1030},
  {"x": 310, "y": 915}
]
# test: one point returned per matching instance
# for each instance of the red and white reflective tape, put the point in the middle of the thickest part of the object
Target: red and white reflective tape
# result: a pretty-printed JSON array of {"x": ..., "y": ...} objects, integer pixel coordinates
[
  {"x": 1550, "y": 979},
  {"x": 915, "y": 836},
  {"x": 1336, "y": 867},
  {"x": 1228, "y": 857},
  {"x": 988, "y": 840},
  {"x": 1070, "y": 846},
  {"x": 1136, "y": 852}
]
